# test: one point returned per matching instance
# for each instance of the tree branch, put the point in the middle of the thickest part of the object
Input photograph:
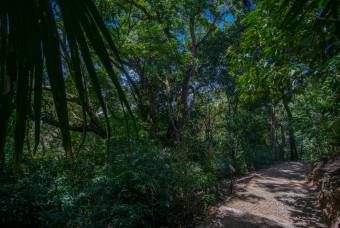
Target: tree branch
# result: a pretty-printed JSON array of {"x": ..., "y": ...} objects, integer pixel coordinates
[
  {"x": 91, "y": 127},
  {"x": 211, "y": 28}
]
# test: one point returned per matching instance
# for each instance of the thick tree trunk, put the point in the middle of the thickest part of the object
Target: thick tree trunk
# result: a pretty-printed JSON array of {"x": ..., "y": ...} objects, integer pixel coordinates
[
  {"x": 184, "y": 108},
  {"x": 292, "y": 142},
  {"x": 174, "y": 132}
]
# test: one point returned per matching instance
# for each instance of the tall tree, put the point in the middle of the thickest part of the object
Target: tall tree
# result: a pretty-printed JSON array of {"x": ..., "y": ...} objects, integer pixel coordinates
[{"x": 163, "y": 44}]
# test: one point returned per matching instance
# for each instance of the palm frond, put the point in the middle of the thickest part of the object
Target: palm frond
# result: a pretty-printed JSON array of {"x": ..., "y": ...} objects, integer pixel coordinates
[{"x": 29, "y": 43}]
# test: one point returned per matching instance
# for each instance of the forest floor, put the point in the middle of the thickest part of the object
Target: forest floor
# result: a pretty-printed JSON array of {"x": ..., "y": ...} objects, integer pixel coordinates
[{"x": 279, "y": 196}]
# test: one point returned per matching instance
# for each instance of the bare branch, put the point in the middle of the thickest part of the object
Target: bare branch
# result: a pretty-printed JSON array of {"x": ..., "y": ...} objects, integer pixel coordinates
[{"x": 211, "y": 28}]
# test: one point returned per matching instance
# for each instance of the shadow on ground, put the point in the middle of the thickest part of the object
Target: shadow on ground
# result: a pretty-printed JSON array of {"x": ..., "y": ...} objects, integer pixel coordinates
[
  {"x": 231, "y": 218},
  {"x": 293, "y": 191},
  {"x": 304, "y": 210},
  {"x": 251, "y": 198},
  {"x": 275, "y": 197}
]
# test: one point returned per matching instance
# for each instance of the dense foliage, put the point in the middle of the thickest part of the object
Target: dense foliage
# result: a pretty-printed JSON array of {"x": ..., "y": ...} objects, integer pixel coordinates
[{"x": 156, "y": 102}]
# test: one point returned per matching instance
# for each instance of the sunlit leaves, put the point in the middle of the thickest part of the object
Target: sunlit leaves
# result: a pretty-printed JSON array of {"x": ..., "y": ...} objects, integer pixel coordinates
[{"x": 265, "y": 59}]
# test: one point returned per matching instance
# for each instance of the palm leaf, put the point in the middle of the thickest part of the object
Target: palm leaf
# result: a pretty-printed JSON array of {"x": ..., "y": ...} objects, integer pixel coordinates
[{"x": 29, "y": 43}]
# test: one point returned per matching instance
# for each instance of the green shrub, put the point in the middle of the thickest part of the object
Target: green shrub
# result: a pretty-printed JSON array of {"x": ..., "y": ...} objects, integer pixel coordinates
[{"x": 138, "y": 185}]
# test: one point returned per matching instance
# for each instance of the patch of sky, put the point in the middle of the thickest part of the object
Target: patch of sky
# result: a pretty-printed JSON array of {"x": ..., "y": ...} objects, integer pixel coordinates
[
  {"x": 127, "y": 75},
  {"x": 111, "y": 23},
  {"x": 250, "y": 4},
  {"x": 56, "y": 10},
  {"x": 223, "y": 10},
  {"x": 305, "y": 72},
  {"x": 180, "y": 37},
  {"x": 226, "y": 16},
  {"x": 207, "y": 14},
  {"x": 320, "y": 13}
]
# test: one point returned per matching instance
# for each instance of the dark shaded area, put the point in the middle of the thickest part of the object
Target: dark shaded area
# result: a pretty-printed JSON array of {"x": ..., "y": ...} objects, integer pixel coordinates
[
  {"x": 277, "y": 188},
  {"x": 305, "y": 209},
  {"x": 258, "y": 223},
  {"x": 296, "y": 171},
  {"x": 251, "y": 198},
  {"x": 234, "y": 219}
]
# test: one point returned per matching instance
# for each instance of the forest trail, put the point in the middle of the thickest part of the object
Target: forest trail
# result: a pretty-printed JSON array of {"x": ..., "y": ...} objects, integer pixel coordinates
[{"x": 275, "y": 197}]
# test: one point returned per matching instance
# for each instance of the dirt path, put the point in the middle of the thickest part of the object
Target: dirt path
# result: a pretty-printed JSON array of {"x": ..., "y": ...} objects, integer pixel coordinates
[{"x": 275, "y": 197}]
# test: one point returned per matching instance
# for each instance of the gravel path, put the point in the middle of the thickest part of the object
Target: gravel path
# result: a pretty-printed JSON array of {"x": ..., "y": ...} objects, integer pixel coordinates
[{"x": 275, "y": 197}]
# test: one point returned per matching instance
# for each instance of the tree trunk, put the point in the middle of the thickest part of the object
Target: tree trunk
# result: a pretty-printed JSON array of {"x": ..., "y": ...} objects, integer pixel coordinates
[
  {"x": 283, "y": 144},
  {"x": 181, "y": 118},
  {"x": 292, "y": 142},
  {"x": 273, "y": 132}
]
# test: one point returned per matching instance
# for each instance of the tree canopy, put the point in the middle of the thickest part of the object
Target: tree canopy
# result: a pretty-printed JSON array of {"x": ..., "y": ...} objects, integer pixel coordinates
[{"x": 130, "y": 113}]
